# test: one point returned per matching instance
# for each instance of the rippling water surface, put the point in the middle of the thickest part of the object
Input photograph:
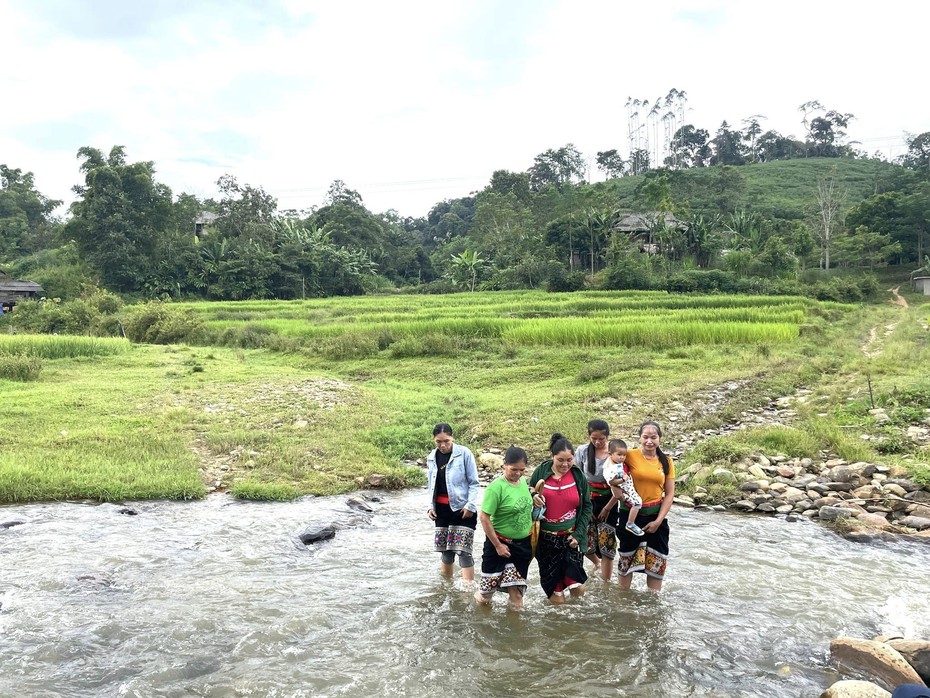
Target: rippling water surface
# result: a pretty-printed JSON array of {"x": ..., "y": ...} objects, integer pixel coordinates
[{"x": 216, "y": 598}]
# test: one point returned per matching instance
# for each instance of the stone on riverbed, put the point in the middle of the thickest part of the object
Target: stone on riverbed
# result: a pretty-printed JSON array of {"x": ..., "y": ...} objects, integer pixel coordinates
[
  {"x": 876, "y": 660},
  {"x": 917, "y": 522},
  {"x": 315, "y": 534},
  {"x": 830, "y": 513},
  {"x": 917, "y": 653},
  {"x": 358, "y": 504},
  {"x": 855, "y": 689},
  {"x": 10, "y": 524}
]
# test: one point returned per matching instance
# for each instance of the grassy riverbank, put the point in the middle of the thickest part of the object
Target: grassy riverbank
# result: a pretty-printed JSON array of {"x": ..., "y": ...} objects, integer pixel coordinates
[{"x": 354, "y": 386}]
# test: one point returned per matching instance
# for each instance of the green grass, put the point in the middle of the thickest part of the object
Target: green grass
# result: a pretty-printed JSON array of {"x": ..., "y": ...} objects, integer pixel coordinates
[
  {"x": 20, "y": 367},
  {"x": 61, "y": 346},
  {"x": 344, "y": 395}
]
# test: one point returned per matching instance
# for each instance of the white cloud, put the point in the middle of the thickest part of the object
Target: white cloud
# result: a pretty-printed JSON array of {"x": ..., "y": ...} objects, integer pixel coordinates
[{"x": 412, "y": 102}]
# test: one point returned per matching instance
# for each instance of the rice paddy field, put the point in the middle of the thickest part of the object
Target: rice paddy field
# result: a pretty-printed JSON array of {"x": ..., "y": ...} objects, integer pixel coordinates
[{"x": 283, "y": 398}]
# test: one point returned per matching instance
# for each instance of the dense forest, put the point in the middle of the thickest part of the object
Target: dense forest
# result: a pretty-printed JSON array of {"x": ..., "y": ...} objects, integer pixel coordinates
[{"x": 743, "y": 211}]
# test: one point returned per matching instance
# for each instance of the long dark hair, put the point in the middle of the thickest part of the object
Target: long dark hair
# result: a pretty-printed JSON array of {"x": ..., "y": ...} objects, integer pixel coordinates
[
  {"x": 595, "y": 425},
  {"x": 559, "y": 443},
  {"x": 663, "y": 459}
]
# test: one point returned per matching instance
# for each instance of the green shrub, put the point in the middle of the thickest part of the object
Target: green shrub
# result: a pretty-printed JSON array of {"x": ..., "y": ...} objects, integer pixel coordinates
[
  {"x": 795, "y": 443},
  {"x": 351, "y": 345},
  {"x": 917, "y": 395},
  {"x": 719, "y": 450},
  {"x": 702, "y": 281},
  {"x": 559, "y": 279},
  {"x": 159, "y": 323},
  {"x": 433, "y": 344},
  {"x": 892, "y": 441},
  {"x": 906, "y": 415},
  {"x": 20, "y": 367},
  {"x": 250, "y": 335}
]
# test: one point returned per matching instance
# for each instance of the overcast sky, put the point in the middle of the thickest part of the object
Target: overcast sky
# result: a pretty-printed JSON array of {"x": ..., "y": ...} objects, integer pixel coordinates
[{"x": 414, "y": 102}]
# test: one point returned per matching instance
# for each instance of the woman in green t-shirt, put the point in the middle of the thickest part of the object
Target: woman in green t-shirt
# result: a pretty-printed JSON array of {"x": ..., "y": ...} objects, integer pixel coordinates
[{"x": 506, "y": 517}]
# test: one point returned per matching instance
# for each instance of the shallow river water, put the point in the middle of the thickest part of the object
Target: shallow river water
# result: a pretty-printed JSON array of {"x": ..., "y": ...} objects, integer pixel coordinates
[{"x": 217, "y": 598}]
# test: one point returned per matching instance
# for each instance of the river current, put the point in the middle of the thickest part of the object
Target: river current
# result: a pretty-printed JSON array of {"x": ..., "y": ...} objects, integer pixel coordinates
[{"x": 218, "y": 598}]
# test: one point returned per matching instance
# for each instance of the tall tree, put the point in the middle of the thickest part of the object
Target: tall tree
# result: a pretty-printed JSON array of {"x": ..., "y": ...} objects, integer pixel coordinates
[
  {"x": 918, "y": 153},
  {"x": 610, "y": 163},
  {"x": 689, "y": 147},
  {"x": 831, "y": 198},
  {"x": 119, "y": 218},
  {"x": 26, "y": 223},
  {"x": 728, "y": 147},
  {"x": 752, "y": 129},
  {"x": 245, "y": 211},
  {"x": 557, "y": 168}
]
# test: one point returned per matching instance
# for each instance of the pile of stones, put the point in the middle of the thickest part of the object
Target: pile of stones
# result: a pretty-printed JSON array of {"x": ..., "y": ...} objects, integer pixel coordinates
[{"x": 867, "y": 495}]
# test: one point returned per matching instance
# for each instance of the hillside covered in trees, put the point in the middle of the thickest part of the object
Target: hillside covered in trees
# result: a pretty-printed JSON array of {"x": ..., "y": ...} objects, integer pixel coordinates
[{"x": 731, "y": 214}]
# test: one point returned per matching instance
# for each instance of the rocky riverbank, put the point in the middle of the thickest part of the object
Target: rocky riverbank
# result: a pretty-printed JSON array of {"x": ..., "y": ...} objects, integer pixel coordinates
[
  {"x": 859, "y": 498},
  {"x": 878, "y": 665}
]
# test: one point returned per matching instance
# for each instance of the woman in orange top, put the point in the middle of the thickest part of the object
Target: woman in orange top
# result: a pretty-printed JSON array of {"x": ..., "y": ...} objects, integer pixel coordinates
[{"x": 653, "y": 474}]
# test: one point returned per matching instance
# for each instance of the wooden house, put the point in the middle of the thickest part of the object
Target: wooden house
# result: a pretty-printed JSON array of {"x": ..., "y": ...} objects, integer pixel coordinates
[{"x": 14, "y": 290}]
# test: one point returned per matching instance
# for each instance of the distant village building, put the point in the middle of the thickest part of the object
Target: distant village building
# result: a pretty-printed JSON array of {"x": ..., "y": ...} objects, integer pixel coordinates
[
  {"x": 14, "y": 290},
  {"x": 205, "y": 220},
  {"x": 642, "y": 226}
]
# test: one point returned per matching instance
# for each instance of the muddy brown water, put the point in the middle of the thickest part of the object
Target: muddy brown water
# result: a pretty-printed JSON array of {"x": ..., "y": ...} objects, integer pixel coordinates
[{"x": 217, "y": 598}]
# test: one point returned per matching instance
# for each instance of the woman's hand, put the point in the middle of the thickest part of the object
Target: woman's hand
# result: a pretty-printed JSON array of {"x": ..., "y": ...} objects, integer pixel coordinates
[
  {"x": 430, "y": 513},
  {"x": 572, "y": 543},
  {"x": 467, "y": 513},
  {"x": 502, "y": 549},
  {"x": 652, "y": 526},
  {"x": 538, "y": 500}
]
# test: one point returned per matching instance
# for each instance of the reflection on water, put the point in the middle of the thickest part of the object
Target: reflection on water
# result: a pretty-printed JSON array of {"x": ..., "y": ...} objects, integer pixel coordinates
[{"x": 216, "y": 598}]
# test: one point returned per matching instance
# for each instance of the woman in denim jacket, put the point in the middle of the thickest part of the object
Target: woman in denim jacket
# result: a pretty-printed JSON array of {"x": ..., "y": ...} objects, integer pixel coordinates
[{"x": 453, "y": 487}]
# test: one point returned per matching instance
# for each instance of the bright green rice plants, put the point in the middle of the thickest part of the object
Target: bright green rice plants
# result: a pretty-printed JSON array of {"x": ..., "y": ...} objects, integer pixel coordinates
[
  {"x": 20, "y": 367},
  {"x": 62, "y": 346}
]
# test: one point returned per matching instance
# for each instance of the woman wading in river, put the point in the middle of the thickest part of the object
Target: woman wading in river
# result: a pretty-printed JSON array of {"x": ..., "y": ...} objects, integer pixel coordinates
[
  {"x": 590, "y": 458},
  {"x": 507, "y": 517},
  {"x": 563, "y": 535},
  {"x": 653, "y": 474},
  {"x": 453, "y": 487}
]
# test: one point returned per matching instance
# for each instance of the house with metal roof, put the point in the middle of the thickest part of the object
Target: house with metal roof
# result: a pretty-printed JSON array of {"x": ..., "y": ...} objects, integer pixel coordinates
[{"x": 14, "y": 290}]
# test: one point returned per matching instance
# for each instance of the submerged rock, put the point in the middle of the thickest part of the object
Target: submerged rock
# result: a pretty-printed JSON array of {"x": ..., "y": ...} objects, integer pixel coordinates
[
  {"x": 10, "y": 524},
  {"x": 855, "y": 689},
  {"x": 315, "y": 534},
  {"x": 358, "y": 504}
]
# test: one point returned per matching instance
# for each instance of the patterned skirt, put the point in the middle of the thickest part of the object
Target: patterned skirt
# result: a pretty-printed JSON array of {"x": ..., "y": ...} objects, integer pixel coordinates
[
  {"x": 602, "y": 536},
  {"x": 648, "y": 553},
  {"x": 453, "y": 533},
  {"x": 560, "y": 566},
  {"x": 501, "y": 573}
]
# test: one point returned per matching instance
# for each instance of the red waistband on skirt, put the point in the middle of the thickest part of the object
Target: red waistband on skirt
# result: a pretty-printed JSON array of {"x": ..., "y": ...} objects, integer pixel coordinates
[{"x": 442, "y": 499}]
